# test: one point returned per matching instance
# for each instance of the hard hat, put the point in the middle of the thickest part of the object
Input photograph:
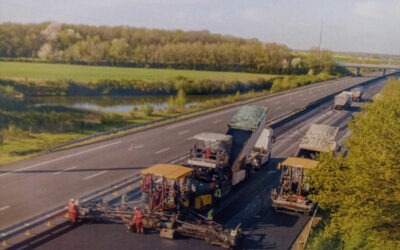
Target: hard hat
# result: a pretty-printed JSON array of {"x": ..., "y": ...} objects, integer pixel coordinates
[{"x": 71, "y": 200}]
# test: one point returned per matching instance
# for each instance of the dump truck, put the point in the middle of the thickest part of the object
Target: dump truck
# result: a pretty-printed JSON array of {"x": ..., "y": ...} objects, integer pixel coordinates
[
  {"x": 357, "y": 93},
  {"x": 245, "y": 127},
  {"x": 293, "y": 190},
  {"x": 343, "y": 101}
]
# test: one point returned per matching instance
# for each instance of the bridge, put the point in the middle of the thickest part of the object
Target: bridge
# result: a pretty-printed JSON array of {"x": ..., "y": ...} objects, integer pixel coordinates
[{"x": 358, "y": 66}]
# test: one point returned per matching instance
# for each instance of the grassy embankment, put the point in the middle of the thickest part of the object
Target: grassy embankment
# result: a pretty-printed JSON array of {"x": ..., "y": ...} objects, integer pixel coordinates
[{"x": 50, "y": 126}]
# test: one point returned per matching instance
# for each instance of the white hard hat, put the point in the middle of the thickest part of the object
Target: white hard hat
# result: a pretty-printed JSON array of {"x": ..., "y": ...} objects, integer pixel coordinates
[{"x": 71, "y": 200}]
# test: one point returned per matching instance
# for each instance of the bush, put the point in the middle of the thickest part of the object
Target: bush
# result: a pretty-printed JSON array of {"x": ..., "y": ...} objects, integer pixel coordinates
[{"x": 147, "y": 109}]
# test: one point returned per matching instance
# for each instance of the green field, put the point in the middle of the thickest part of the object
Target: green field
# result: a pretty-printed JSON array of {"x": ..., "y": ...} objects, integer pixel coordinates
[
  {"x": 366, "y": 60},
  {"x": 82, "y": 73}
]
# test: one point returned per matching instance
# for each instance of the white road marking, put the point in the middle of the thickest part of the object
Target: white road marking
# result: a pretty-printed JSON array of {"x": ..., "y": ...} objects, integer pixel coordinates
[
  {"x": 217, "y": 121},
  {"x": 190, "y": 138},
  {"x": 162, "y": 150},
  {"x": 179, "y": 159},
  {"x": 139, "y": 146},
  {"x": 94, "y": 175},
  {"x": 64, "y": 170},
  {"x": 62, "y": 158},
  {"x": 4, "y": 208},
  {"x": 183, "y": 132}
]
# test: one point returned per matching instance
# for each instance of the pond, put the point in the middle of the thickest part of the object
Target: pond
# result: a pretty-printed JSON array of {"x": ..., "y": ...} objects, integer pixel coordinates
[{"x": 113, "y": 103}]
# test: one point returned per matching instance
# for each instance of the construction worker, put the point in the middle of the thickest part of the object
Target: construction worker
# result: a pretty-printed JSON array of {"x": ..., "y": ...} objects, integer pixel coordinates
[
  {"x": 124, "y": 201},
  {"x": 207, "y": 153},
  {"x": 210, "y": 215},
  {"x": 73, "y": 210},
  {"x": 217, "y": 195},
  {"x": 138, "y": 220}
]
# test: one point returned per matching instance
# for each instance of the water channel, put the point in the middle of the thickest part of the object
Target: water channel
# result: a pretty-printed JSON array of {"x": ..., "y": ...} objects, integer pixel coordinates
[{"x": 113, "y": 103}]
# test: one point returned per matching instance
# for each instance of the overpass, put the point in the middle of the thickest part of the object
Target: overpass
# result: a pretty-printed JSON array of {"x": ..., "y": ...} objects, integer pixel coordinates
[{"x": 358, "y": 66}]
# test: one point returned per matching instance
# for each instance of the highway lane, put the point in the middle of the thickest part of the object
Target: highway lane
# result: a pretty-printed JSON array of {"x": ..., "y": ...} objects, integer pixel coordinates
[
  {"x": 249, "y": 205},
  {"x": 34, "y": 185}
]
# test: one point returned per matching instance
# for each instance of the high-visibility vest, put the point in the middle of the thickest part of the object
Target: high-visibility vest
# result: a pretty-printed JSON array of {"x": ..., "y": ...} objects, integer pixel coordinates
[
  {"x": 71, "y": 207},
  {"x": 138, "y": 216},
  {"x": 217, "y": 193},
  {"x": 210, "y": 214},
  {"x": 124, "y": 198}
]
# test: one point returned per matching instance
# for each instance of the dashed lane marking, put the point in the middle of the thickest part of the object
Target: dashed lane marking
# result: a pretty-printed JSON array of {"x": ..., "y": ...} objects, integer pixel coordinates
[
  {"x": 65, "y": 170},
  {"x": 4, "y": 208},
  {"x": 183, "y": 132},
  {"x": 162, "y": 150},
  {"x": 62, "y": 158},
  {"x": 94, "y": 175}
]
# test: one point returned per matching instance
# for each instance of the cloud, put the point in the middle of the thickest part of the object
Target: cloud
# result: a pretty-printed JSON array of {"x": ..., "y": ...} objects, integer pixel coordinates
[
  {"x": 254, "y": 15},
  {"x": 376, "y": 9}
]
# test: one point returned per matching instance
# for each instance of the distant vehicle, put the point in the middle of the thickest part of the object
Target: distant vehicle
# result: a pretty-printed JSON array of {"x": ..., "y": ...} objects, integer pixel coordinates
[
  {"x": 343, "y": 101},
  {"x": 357, "y": 93},
  {"x": 294, "y": 183}
]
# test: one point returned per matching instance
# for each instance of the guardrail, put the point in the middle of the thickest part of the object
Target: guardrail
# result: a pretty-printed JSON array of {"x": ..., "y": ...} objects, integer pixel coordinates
[{"x": 45, "y": 217}]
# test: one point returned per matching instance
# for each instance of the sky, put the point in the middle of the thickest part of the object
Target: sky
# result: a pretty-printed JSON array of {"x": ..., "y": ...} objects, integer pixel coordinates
[{"x": 347, "y": 25}]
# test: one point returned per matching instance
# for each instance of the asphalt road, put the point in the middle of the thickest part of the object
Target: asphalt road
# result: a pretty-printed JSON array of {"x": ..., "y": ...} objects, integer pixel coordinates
[
  {"x": 249, "y": 204},
  {"x": 38, "y": 184}
]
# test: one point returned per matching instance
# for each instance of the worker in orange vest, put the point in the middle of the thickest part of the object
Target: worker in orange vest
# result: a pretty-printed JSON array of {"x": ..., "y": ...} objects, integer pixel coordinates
[
  {"x": 138, "y": 220},
  {"x": 73, "y": 210},
  {"x": 207, "y": 153}
]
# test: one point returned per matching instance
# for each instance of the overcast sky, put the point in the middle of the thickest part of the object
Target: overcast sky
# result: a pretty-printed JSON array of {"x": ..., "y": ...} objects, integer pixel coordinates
[{"x": 348, "y": 25}]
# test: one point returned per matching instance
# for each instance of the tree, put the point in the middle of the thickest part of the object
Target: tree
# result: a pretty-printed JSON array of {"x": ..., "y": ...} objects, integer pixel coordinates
[{"x": 361, "y": 193}]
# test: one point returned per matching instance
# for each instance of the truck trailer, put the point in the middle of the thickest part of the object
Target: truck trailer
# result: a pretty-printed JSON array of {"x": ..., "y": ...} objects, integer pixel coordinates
[{"x": 342, "y": 101}]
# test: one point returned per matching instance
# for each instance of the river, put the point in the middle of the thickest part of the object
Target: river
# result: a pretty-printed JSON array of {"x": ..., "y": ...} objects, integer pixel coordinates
[{"x": 113, "y": 103}]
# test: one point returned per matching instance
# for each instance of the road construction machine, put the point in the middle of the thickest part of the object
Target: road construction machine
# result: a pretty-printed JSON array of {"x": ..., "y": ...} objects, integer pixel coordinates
[
  {"x": 293, "y": 191},
  {"x": 169, "y": 195},
  {"x": 166, "y": 204},
  {"x": 222, "y": 161},
  {"x": 180, "y": 199}
]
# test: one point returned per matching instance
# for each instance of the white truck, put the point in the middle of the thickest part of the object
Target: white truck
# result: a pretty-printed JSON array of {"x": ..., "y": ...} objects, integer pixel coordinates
[
  {"x": 357, "y": 93},
  {"x": 343, "y": 100},
  {"x": 261, "y": 153}
]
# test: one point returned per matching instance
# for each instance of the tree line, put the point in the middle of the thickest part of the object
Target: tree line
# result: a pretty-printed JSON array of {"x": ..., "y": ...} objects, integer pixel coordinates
[
  {"x": 140, "y": 47},
  {"x": 360, "y": 193}
]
